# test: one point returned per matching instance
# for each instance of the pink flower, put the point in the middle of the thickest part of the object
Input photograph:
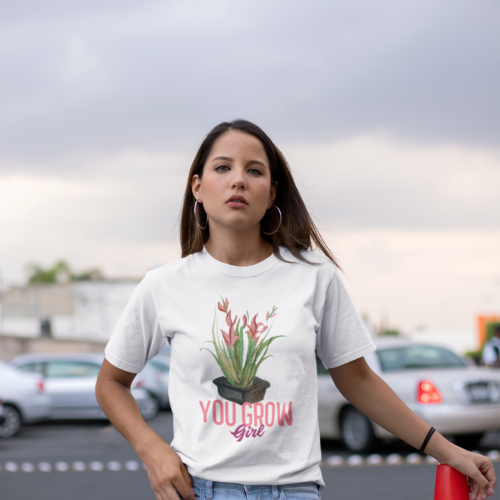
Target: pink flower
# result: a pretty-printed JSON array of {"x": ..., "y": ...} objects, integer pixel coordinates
[
  {"x": 270, "y": 315},
  {"x": 244, "y": 320},
  {"x": 224, "y": 307},
  {"x": 253, "y": 328},
  {"x": 230, "y": 338}
]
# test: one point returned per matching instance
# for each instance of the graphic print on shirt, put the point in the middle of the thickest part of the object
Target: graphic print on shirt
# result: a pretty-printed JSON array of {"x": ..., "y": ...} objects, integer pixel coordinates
[{"x": 239, "y": 363}]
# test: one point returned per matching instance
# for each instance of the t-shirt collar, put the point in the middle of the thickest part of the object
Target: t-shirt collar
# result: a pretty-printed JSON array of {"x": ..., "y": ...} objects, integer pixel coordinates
[{"x": 237, "y": 270}]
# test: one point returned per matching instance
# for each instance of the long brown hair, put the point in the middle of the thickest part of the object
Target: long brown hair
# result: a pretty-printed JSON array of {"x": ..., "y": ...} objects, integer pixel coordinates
[{"x": 297, "y": 230}]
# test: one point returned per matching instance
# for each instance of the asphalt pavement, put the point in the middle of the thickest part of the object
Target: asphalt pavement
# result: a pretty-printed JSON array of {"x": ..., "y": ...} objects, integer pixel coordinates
[{"x": 92, "y": 461}]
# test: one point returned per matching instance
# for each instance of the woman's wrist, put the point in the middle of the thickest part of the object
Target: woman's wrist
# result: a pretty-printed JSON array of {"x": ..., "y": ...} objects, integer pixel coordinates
[
  {"x": 146, "y": 441},
  {"x": 440, "y": 448}
]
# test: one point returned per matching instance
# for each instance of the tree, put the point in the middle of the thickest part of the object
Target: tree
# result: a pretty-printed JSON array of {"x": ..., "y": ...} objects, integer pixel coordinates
[{"x": 60, "y": 272}]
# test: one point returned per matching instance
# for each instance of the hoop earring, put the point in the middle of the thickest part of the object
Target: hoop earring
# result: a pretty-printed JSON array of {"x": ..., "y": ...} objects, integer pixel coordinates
[
  {"x": 196, "y": 218},
  {"x": 279, "y": 223}
]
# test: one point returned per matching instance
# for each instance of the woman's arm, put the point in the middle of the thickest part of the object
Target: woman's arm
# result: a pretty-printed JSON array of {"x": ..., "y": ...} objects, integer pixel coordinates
[
  {"x": 165, "y": 469},
  {"x": 373, "y": 397}
]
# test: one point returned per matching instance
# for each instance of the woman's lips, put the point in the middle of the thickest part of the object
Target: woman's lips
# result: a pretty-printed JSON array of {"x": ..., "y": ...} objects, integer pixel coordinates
[{"x": 236, "y": 204}]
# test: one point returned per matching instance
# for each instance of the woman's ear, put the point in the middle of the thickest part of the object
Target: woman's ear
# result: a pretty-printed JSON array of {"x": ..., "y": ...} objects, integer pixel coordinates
[
  {"x": 195, "y": 186},
  {"x": 274, "y": 190}
]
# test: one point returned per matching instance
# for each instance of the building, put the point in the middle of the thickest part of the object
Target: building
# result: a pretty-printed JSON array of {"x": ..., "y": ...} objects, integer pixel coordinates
[{"x": 80, "y": 310}]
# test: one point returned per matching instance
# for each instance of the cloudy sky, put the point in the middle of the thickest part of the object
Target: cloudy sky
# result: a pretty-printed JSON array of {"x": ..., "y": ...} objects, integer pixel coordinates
[{"x": 387, "y": 111}]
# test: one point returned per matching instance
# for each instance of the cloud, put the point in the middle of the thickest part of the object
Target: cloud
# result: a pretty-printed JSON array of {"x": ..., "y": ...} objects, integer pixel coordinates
[
  {"x": 410, "y": 279},
  {"x": 157, "y": 75},
  {"x": 374, "y": 182}
]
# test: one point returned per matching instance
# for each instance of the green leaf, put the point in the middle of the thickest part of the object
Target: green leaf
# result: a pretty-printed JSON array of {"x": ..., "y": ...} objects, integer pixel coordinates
[
  {"x": 230, "y": 353},
  {"x": 241, "y": 348},
  {"x": 259, "y": 363},
  {"x": 267, "y": 333},
  {"x": 221, "y": 365}
]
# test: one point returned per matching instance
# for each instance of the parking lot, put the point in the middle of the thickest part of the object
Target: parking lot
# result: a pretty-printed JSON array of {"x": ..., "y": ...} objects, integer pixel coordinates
[{"x": 85, "y": 460}]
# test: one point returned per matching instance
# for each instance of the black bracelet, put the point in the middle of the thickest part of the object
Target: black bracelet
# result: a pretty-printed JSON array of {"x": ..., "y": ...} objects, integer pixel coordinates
[{"x": 426, "y": 440}]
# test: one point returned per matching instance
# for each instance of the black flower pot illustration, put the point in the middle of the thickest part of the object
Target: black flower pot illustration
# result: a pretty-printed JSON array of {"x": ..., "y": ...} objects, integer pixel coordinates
[{"x": 252, "y": 394}]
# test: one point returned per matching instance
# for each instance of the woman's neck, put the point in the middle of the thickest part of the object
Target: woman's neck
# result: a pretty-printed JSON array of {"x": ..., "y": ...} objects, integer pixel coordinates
[{"x": 240, "y": 251}]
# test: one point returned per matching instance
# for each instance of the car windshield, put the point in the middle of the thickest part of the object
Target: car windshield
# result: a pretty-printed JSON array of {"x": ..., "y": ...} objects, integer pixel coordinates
[
  {"x": 417, "y": 356},
  {"x": 63, "y": 369}
]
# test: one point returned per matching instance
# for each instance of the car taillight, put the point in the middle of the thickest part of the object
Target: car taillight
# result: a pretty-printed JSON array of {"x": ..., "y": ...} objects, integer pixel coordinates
[
  {"x": 428, "y": 394},
  {"x": 40, "y": 386}
]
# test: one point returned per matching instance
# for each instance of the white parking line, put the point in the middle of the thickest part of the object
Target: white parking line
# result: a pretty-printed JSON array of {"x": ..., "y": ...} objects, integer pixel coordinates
[
  {"x": 394, "y": 459},
  {"x": 114, "y": 466},
  {"x": 10, "y": 466},
  {"x": 414, "y": 458},
  {"x": 335, "y": 461},
  {"x": 355, "y": 460},
  {"x": 374, "y": 460},
  {"x": 133, "y": 465},
  {"x": 79, "y": 466},
  {"x": 44, "y": 467}
]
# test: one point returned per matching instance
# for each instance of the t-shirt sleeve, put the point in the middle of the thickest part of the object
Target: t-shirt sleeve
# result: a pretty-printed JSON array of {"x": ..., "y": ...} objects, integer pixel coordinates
[
  {"x": 137, "y": 336},
  {"x": 342, "y": 336}
]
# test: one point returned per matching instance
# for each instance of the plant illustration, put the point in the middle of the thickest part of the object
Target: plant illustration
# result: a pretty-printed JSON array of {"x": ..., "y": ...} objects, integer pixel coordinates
[{"x": 239, "y": 360}]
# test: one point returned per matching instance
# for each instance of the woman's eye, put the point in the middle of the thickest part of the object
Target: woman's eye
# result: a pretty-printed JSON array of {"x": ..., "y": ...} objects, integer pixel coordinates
[{"x": 254, "y": 170}]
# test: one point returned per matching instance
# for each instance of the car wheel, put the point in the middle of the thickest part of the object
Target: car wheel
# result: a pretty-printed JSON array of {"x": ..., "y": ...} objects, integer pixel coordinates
[
  {"x": 12, "y": 423},
  {"x": 357, "y": 431},
  {"x": 149, "y": 408},
  {"x": 468, "y": 441}
]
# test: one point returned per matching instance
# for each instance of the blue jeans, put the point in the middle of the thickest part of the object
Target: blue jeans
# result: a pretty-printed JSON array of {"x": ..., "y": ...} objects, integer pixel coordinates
[{"x": 215, "y": 490}]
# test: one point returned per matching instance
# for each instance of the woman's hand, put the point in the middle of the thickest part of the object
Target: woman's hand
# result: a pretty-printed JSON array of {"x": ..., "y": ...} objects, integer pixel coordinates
[
  {"x": 478, "y": 469},
  {"x": 167, "y": 474}
]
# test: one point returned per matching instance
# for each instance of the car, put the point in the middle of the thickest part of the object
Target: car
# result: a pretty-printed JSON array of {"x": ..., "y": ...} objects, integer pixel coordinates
[
  {"x": 154, "y": 379},
  {"x": 458, "y": 399},
  {"x": 70, "y": 383},
  {"x": 24, "y": 399}
]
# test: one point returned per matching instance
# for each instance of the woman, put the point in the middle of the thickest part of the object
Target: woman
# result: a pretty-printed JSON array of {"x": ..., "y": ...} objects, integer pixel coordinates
[{"x": 244, "y": 399}]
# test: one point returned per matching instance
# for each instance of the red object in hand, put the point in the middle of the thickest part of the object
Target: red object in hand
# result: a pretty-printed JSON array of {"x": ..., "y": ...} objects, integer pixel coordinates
[{"x": 450, "y": 484}]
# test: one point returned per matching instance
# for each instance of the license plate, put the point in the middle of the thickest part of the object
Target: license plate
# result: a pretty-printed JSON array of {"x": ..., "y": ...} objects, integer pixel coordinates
[{"x": 482, "y": 392}]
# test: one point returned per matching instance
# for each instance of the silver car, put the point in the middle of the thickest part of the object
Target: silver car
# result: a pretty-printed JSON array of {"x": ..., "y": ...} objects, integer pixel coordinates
[
  {"x": 25, "y": 399},
  {"x": 70, "y": 382},
  {"x": 154, "y": 378},
  {"x": 449, "y": 394}
]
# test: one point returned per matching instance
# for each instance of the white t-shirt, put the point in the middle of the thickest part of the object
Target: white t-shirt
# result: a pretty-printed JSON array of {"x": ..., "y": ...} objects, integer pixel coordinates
[{"x": 269, "y": 435}]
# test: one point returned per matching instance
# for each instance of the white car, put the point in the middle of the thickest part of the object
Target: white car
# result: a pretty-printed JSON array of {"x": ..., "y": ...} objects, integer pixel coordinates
[
  {"x": 24, "y": 400},
  {"x": 449, "y": 394},
  {"x": 70, "y": 382}
]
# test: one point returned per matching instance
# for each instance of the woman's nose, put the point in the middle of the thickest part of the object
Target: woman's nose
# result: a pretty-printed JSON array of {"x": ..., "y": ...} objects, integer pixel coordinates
[
  {"x": 239, "y": 184},
  {"x": 238, "y": 181}
]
